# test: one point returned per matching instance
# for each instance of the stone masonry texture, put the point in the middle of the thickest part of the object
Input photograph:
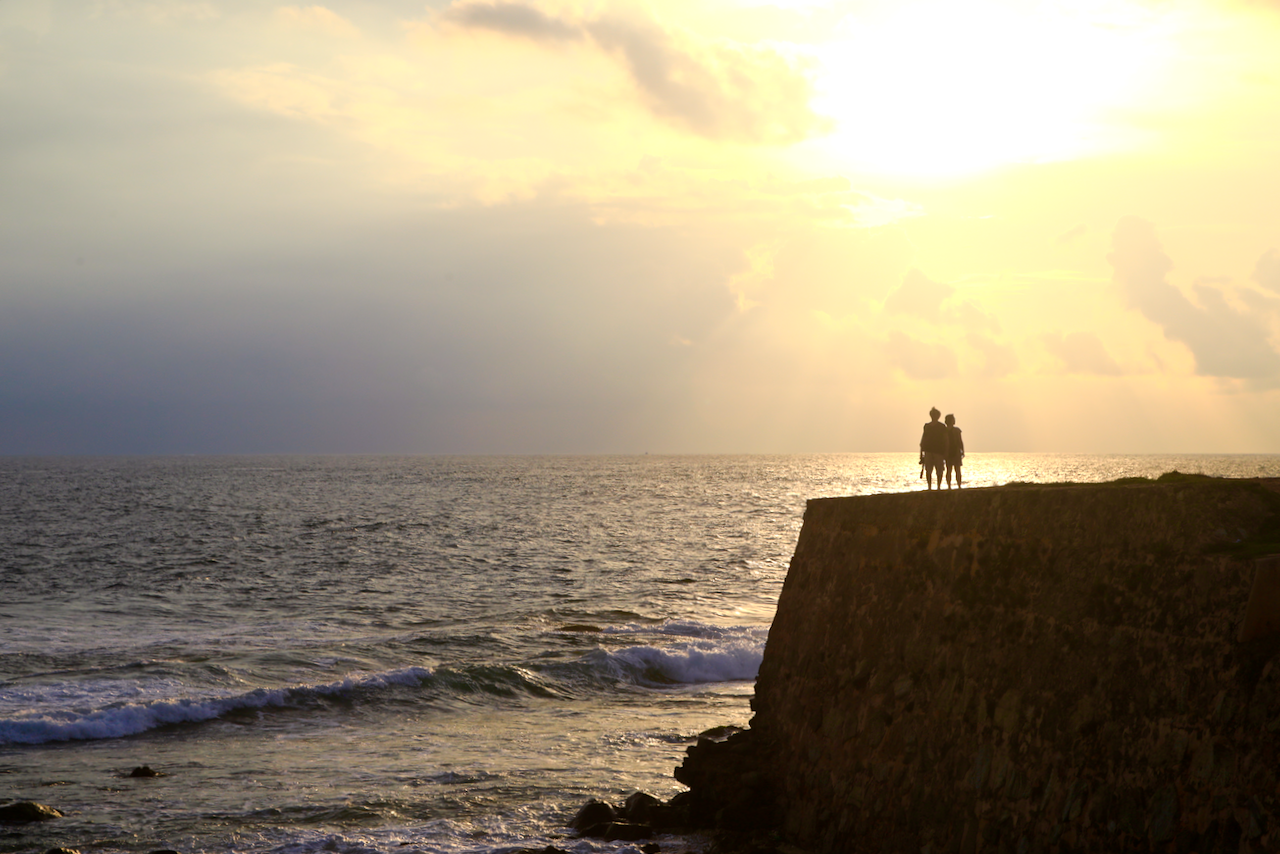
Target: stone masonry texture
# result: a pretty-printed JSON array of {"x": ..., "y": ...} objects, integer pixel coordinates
[{"x": 1028, "y": 669}]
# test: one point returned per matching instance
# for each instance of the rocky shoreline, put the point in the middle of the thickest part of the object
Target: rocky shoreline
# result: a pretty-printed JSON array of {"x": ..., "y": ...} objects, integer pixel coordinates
[
  {"x": 1057, "y": 669},
  {"x": 729, "y": 797},
  {"x": 729, "y": 800}
]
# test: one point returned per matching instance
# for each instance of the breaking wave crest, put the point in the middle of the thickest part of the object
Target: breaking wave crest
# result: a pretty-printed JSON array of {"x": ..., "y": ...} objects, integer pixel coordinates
[
  {"x": 118, "y": 719},
  {"x": 689, "y": 653}
]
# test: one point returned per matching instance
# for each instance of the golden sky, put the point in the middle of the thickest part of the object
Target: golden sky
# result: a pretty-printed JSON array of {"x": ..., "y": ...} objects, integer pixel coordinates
[{"x": 587, "y": 227}]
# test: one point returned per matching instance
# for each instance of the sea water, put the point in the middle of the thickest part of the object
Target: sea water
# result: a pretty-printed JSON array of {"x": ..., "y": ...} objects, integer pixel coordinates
[{"x": 376, "y": 654}]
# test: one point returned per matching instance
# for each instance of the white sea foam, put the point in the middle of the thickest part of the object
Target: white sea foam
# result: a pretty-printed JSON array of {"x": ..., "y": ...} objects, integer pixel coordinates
[
  {"x": 106, "y": 715},
  {"x": 705, "y": 654},
  {"x": 102, "y": 709},
  {"x": 490, "y": 835},
  {"x": 735, "y": 663},
  {"x": 690, "y": 629},
  {"x": 685, "y": 664}
]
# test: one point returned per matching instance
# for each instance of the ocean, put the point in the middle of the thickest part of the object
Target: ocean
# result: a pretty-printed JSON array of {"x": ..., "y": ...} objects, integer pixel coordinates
[{"x": 399, "y": 654}]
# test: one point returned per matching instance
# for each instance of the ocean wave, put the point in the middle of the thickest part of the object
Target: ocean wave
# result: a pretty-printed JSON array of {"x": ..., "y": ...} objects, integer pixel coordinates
[
  {"x": 682, "y": 653},
  {"x": 690, "y": 665},
  {"x": 690, "y": 629},
  {"x": 116, "y": 719},
  {"x": 482, "y": 835}
]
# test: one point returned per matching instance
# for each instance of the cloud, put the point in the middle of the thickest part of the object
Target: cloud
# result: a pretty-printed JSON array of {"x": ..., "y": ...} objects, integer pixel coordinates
[
  {"x": 317, "y": 18},
  {"x": 1212, "y": 280},
  {"x": 1224, "y": 342},
  {"x": 919, "y": 295},
  {"x": 920, "y": 360},
  {"x": 1267, "y": 271},
  {"x": 512, "y": 19},
  {"x": 922, "y": 297},
  {"x": 721, "y": 91},
  {"x": 560, "y": 339},
  {"x": 1073, "y": 234},
  {"x": 154, "y": 12},
  {"x": 758, "y": 276},
  {"x": 998, "y": 360},
  {"x": 1082, "y": 353},
  {"x": 971, "y": 317},
  {"x": 1263, "y": 304}
]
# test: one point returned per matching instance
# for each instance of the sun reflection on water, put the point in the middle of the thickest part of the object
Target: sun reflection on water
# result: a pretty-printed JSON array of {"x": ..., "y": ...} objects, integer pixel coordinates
[{"x": 870, "y": 474}]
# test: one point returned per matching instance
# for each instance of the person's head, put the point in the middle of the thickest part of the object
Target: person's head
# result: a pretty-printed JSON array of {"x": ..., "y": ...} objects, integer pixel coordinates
[
  {"x": 934, "y": 414},
  {"x": 951, "y": 420}
]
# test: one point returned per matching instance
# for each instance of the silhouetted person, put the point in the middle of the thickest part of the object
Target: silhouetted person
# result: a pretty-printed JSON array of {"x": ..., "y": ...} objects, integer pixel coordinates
[
  {"x": 955, "y": 451},
  {"x": 933, "y": 447}
]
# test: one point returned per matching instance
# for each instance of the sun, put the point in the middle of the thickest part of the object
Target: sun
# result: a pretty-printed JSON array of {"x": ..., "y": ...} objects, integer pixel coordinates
[{"x": 929, "y": 88}]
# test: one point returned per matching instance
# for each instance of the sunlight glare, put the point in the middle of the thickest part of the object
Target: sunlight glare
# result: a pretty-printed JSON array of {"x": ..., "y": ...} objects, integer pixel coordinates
[{"x": 925, "y": 88}]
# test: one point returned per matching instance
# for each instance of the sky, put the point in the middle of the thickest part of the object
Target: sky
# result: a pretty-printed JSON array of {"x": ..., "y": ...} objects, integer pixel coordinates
[{"x": 681, "y": 226}]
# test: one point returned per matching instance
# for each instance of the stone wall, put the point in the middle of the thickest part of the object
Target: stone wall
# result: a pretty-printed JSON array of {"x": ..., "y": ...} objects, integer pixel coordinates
[{"x": 1029, "y": 668}]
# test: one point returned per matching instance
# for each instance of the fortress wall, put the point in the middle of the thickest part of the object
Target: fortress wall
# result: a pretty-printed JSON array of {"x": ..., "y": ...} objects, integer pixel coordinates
[{"x": 1028, "y": 668}]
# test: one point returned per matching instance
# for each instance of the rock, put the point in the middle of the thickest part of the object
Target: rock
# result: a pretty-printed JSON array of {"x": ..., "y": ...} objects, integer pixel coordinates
[
  {"x": 651, "y": 848},
  {"x": 668, "y": 816},
  {"x": 625, "y": 831},
  {"x": 720, "y": 733},
  {"x": 63, "y": 851},
  {"x": 638, "y": 806},
  {"x": 591, "y": 814},
  {"x": 728, "y": 785},
  {"x": 145, "y": 771},
  {"x": 618, "y": 831},
  {"x": 25, "y": 812}
]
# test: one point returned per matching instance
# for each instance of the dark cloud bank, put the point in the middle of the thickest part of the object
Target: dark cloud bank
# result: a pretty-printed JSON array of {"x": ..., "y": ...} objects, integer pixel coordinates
[{"x": 521, "y": 329}]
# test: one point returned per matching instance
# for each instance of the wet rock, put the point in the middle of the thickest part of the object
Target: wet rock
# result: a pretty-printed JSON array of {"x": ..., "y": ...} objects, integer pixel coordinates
[
  {"x": 625, "y": 831},
  {"x": 729, "y": 787},
  {"x": 145, "y": 771},
  {"x": 600, "y": 820},
  {"x": 669, "y": 816},
  {"x": 592, "y": 814},
  {"x": 720, "y": 733},
  {"x": 638, "y": 807},
  {"x": 728, "y": 793},
  {"x": 617, "y": 831},
  {"x": 25, "y": 812}
]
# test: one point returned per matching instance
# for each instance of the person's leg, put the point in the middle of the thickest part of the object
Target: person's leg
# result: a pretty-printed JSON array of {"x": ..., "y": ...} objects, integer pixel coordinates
[
  {"x": 934, "y": 467},
  {"x": 957, "y": 477}
]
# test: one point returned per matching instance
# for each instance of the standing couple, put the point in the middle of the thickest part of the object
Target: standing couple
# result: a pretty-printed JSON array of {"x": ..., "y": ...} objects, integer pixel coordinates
[{"x": 941, "y": 445}]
